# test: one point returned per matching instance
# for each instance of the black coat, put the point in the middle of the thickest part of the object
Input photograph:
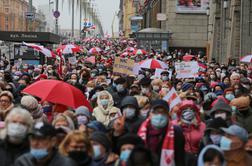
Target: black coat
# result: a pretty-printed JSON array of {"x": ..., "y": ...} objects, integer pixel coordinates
[{"x": 10, "y": 152}]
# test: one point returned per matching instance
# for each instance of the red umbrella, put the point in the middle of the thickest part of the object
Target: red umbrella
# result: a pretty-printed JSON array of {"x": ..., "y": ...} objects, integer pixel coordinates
[
  {"x": 130, "y": 49},
  {"x": 188, "y": 57},
  {"x": 139, "y": 52},
  {"x": 153, "y": 64},
  {"x": 58, "y": 92},
  {"x": 68, "y": 48}
]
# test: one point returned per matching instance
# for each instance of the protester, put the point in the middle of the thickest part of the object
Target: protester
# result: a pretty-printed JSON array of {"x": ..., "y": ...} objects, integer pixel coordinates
[
  {"x": 42, "y": 150},
  {"x": 77, "y": 146},
  {"x": 156, "y": 133},
  {"x": 14, "y": 141},
  {"x": 31, "y": 104},
  {"x": 6, "y": 103},
  {"x": 105, "y": 111},
  {"x": 233, "y": 145}
]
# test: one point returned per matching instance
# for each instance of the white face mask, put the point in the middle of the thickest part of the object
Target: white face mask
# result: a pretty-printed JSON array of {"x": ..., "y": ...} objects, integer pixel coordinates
[
  {"x": 155, "y": 88},
  {"x": 129, "y": 112},
  {"x": 145, "y": 91},
  {"x": 16, "y": 131}
]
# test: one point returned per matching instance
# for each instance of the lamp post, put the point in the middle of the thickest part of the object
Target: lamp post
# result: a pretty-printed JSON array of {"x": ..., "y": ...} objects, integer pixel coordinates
[{"x": 208, "y": 14}]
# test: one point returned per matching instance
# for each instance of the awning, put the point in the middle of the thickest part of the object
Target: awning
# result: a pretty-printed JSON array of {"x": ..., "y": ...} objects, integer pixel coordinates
[{"x": 35, "y": 37}]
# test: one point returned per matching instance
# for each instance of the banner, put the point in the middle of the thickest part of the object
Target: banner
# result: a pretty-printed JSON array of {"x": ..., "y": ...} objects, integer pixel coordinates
[
  {"x": 192, "y": 6},
  {"x": 123, "y": 66},
  {"x": 172, "y": 98},
  {"x": 187, "y": 69}
]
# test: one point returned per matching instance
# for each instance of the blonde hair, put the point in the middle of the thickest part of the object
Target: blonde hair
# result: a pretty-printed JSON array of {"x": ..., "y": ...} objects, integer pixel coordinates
[{"x": 77, "y": 136}]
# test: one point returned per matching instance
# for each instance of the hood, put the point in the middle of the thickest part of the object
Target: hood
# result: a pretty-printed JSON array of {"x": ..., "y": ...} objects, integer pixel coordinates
[
  {"x": 221, "y": 105},
  {"x": 111, "y": 101},
  {"x": 203, "y": 151},
  {"x": 129, "y": 100}
]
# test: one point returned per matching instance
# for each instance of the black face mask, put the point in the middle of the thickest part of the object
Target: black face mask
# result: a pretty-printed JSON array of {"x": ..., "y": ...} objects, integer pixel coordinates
[{"x": 80, "y": 157}]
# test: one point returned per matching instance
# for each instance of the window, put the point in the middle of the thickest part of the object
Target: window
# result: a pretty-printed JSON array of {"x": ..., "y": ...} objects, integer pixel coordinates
[
  {"x": 6, "y": 27},
  {"x": 6, "y": 10},
  {"x": 6, "y": 19}
]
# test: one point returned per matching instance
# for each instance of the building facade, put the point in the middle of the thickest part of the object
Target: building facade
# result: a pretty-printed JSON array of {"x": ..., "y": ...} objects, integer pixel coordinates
[
  {"x": 230, "y": 29},
  {"x": 12, "y": 17}
]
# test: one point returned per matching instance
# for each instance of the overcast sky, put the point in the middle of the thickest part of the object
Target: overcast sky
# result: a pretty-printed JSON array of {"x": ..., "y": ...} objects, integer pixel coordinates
[{"x": 107, "y": 10}]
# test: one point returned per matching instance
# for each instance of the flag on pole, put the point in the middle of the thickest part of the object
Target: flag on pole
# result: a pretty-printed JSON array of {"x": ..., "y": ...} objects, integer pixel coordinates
[{"x": 172, "y": 98}]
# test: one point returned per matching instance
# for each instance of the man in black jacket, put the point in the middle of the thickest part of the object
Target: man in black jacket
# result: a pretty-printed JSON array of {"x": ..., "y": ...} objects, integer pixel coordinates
[{"x": 42, "y": 150}]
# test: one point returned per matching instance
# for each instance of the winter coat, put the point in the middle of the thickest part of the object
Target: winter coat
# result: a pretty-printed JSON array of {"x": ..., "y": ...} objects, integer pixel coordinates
[
  {"x": 194, "y": 132},
  {"x": 117, "y": 96},
  {"x": 56, "y": 160},
  {"x": 132, "y": 125},
  {"x": 200, "y": 158},
  {"x": 245, "y": 120},
  {"x": 10, "y": 152},
  {"x": 105, "y": 115}
]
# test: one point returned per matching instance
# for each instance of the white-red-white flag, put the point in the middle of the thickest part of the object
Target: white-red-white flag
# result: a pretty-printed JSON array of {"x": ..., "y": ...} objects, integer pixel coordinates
[
  {"x": 42, "y": 49},
  {"x": 172, "y": 98}
]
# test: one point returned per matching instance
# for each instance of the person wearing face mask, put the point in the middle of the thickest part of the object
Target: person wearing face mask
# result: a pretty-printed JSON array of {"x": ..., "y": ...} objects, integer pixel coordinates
[
  {"x": 77, "y": 146},
  {"x": 102, "y": 155},
  {"x": 105, "y": 111},
  {"x": 243, "y": 111},
  {"x": 229, "y": 94},
  {"x": 156, "y": 133},
  {"x": 83, "y": 116},
  {"x": 213, "y": 132},
  {"x": 126, "y": 144},
  {"x": 156, "y": 85},
  {"x": 234, "y": 78},
  {"x": 130, "y": 110},
  {"x": 120, "y": 91},
  {"x": 233, "y": 145},
  {"x": 146, "y": 90},
  {"x": 14, "y": 140},
  {"x": 193, "y": 129},
  {"x": 42, "y": 148},
  {"x": 223, "y": 110},
  {"x": 165, "y": 76}
]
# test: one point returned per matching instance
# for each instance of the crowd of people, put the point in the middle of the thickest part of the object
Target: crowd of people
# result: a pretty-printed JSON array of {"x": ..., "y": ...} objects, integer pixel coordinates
[{"x": 129, "y": 124}]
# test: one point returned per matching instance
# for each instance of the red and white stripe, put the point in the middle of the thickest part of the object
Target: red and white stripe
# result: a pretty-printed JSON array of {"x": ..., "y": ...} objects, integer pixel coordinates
[
  {"x": 172, "y": 98},
  {"x": 95, "y": 50},
  {"x": 153, "y": 64},
  {"x": 42, "y": 49},
  {"x": 139, "y": 52},
  {"x": 68, "y": 48},
  {"x": 246, "y": 59}
]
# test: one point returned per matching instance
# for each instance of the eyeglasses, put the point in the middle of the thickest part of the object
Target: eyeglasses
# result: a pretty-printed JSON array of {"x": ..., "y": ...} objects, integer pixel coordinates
[{"x": 4, "y": 101}]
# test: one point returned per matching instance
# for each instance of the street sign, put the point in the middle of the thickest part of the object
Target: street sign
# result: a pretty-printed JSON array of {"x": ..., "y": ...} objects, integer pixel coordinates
[
  {"x": 30, "y": 15},
  {"x": 56, "y": 14}
]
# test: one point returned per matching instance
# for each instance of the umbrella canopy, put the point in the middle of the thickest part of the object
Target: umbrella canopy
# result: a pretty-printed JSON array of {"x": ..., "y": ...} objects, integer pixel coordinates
[
  {"x": 58, "y": 92},
  {"x": 139, "y": 52},
  {"x": 246, "y": 59},
  {"x": 125, "y": 54},
  {"x": 153, "y": 64},
  {"x": 95, "y": 50},
  {"x": 69, "y": 48},
  {"x": 188, "y": 57}
]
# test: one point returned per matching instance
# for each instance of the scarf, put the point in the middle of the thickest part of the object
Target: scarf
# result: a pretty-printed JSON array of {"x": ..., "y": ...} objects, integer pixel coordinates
[{"x": 167, "y": 152}]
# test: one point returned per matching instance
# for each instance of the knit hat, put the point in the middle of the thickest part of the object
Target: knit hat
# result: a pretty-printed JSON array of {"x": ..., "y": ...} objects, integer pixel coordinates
[
  {"x": 221, "y": 106},
  {"x": 29, "y": 102},
  {"x": 241, "y": 103},
  {"x": 7, "y": 93},
  {"x": 186, "y": 86},
  {"x": 97, "y": 126},
  {"x": 101, "y": 138},
  {"x": 82, "y": 110},
  {"x": 129, "y": 139},
  {"x": 160, "y": 103}
]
